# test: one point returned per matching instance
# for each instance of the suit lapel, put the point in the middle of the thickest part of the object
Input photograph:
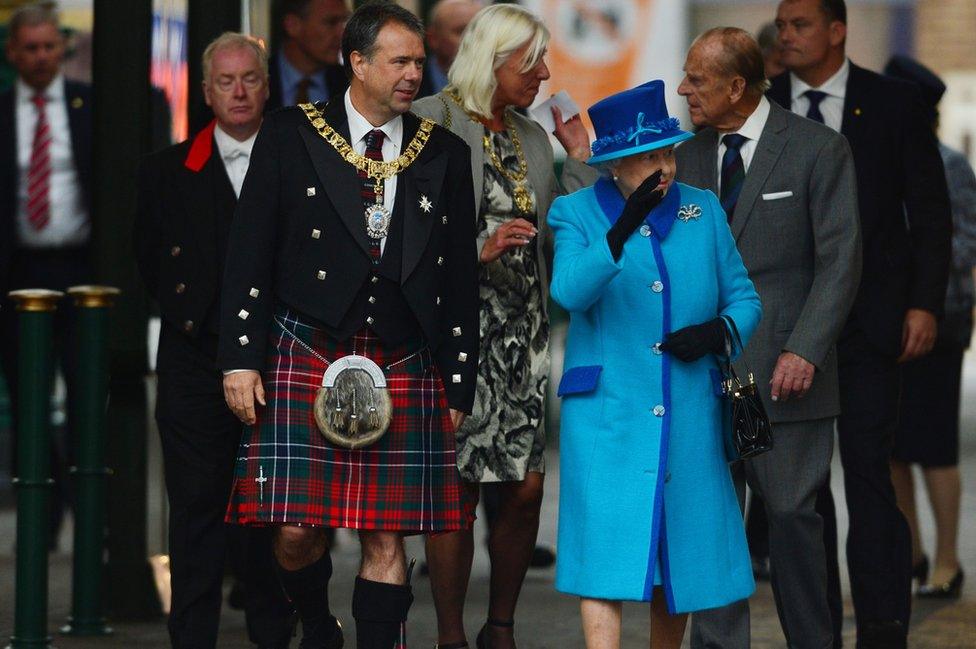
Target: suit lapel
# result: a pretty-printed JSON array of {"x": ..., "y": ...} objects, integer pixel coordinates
[
  {"x": 423, "y": 178},
  {"x": 708, "y": 160},
  {"x": 8, "y": 114},
  {"x": 854, "y": 100},
  {"x": 338, "y": 177},
  {"x": 768, "y": 150},
  {"x": 199, "y": 192}
]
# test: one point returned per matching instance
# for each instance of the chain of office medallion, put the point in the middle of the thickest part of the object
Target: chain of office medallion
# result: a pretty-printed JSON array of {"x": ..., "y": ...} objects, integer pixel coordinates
[{"x": 373, "y": 168}]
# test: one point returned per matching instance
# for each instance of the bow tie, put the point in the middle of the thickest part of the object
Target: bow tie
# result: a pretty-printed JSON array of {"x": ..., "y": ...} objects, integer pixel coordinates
[{"x": 236, "y": 152}]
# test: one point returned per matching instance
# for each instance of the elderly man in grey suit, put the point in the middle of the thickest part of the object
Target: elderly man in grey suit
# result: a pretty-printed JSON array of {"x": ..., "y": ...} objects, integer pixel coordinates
[{"x": 788, "y": 187}]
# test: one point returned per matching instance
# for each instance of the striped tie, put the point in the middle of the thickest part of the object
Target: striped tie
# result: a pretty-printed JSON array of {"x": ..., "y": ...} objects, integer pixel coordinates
[
  {"x": 39, "y": 173},
  {"x": 733, "y": 172},
  {"x": 374, "y": 151}
]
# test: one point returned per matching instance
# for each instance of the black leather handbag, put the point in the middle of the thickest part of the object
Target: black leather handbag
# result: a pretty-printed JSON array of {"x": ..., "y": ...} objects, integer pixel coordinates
[{"x": 751, "y": 433}]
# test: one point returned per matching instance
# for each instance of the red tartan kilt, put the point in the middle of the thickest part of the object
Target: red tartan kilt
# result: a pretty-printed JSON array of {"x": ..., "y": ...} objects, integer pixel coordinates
[{"x": 287, "y": 472}]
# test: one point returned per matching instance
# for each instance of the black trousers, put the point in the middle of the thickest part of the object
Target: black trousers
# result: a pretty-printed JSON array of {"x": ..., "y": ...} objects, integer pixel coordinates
[
  {"x": 54, "y": 269},
  {"x": 200, "y": 438},
  {"x": 879, "y": 548}
]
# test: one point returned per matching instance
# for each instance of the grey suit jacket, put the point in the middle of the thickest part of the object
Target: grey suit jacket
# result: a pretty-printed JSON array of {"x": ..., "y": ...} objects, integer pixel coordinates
[
  {"x": 538, "y": 156},
  {"x": 803, "y": 251}
]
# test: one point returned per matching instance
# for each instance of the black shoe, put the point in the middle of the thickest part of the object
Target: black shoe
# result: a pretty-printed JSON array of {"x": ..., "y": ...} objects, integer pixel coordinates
[
  {"x": 236, "y": 598},
  {"x": 482, "y": 642},
  {"x": 882, "y": 635},
  {"x": 920, "y": 570},
  {"x": 333, "y": 640},
  {"x": 760, "y": 568},
  {"x": 952, "y": 589},
  {"x": 542, "y": 557}
]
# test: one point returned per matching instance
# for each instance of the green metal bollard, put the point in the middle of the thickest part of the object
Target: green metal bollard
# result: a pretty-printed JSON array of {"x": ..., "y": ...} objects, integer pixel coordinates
[
  {"x": 91, "y": 346},
  {"x": 33, "y": 482}
]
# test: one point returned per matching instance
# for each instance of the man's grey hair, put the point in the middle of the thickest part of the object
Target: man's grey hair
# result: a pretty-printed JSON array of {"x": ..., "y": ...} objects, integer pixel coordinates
[
  {"x": 40, "y": 13},
  {"x": 740, "y": 57},
  {"x": 234, "y": 40}
]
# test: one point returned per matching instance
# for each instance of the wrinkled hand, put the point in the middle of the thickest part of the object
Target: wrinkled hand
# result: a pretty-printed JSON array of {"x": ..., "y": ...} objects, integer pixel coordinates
[
  {"x": 644, "y": 199},
  {"x": 572, "y": 135},
  {"x": 510, "y": 234},
  {"x": 457, "y": 418},
  {"x": 792, "y": 377},
  {"x": 918, "y": 334},
  {"x": 691, "y": 343},
  {"x": 241, "y": 390}
]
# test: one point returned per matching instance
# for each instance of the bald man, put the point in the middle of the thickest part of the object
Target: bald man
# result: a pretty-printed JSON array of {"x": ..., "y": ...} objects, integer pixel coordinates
[{"x": 445, "y": 24}]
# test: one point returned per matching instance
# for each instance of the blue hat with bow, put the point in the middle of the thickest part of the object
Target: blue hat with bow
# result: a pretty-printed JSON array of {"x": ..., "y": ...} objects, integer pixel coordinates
[{"x": 633, "y": 121}]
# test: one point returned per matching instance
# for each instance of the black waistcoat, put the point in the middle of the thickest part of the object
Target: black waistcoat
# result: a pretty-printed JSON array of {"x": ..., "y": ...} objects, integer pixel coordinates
[{"x": 380, "y": 304}]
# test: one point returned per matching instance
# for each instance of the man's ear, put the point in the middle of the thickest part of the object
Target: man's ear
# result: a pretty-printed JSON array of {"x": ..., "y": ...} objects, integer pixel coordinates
[
  {"x": 291, "y": 24},
  {"x": 838, "y": 33},
  {"x": 357, "y": 62},
  {"x": 206, "y": 92},
  {"x": 737, "y": 89}
]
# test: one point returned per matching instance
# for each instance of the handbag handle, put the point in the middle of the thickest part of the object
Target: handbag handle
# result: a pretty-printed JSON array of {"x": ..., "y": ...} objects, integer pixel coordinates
[{"x": 732, "y": 338}]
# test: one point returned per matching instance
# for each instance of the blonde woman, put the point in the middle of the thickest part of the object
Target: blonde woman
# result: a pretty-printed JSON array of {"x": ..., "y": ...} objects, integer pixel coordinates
[{"x": 498, "y": 70}]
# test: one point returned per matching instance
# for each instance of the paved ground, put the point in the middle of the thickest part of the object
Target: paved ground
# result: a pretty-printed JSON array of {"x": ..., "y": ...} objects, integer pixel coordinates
[{"x": 547, "y": 619}]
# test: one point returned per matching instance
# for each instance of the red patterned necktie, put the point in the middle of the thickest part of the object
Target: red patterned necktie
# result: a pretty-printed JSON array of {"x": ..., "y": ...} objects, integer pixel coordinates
[
  {"x": 39, "y": 173},
  {"x": 374, "y": 151}
]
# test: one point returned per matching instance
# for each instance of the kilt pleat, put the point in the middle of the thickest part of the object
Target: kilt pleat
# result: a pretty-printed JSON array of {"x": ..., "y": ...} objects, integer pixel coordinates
[{"x": 287, "y": 473}]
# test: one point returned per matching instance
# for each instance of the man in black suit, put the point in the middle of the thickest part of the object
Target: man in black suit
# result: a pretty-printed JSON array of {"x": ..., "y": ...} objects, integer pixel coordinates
[
  {"x": 353, "y": 242},
  {"x": 187, "y": 195},
  {"x": 45, "y": 198},
  {"x": 906, "y": 225},
  {"x": 306, "y": 67}
]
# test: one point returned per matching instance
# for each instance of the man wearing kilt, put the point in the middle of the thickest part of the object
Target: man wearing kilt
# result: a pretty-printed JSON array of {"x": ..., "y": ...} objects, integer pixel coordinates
[{"x": 353, "y": 239}]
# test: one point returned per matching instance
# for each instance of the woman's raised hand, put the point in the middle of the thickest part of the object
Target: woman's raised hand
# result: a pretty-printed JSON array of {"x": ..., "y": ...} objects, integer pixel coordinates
[
  {"x": 644, "y": 199},
  {"x": 572, "y": 135},
  {"x": 510, "y": 234}
]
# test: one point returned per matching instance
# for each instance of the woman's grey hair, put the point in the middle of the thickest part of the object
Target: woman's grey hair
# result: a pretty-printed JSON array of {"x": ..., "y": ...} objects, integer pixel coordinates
[
  {"x": 234, "y": 40},
  {"x": 41, "y": 13},
  {"x": 489, "y": 40}
]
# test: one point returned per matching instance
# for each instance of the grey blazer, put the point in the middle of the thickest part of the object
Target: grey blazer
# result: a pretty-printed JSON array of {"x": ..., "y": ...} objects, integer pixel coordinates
[
  {"x": 538, "y": 156},
  {"x": 797, "y": 228}
]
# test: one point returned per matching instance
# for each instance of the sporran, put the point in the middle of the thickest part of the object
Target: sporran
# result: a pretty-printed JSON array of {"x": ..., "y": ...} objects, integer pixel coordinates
[{"x": 353, "y": 408}]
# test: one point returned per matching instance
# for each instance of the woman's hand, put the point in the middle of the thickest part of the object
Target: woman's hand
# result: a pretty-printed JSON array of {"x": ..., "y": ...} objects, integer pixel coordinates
[
  {"x": 572, "y": 135},
  {"x": 644, "y": 199},
  {"x": 691, "y": 343},
  {"x": 510, "y": 234}
]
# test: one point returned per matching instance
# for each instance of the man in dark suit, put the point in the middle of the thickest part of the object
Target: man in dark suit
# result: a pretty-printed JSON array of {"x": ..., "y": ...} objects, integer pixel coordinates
[
  {"x": 187, "y": 195},
  {"x": 311, "y": 285},
  {"x": 445, "y": 24},
  {"x": 45, "y": 198},
  {"x": 905, "y": 218},
  {"x": 788, "y": 187},
  {"x": 306, "y": 67}
]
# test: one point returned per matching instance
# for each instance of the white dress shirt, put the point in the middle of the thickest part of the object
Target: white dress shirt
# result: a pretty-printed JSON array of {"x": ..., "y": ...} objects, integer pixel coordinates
[
  {"x": 832, "y": 106},
  {"x": 236, "y": 156},
  {"x": 69, "y": 224},
  {"x": 751, "y": 130},
  {"x": 359, "y": 127}
]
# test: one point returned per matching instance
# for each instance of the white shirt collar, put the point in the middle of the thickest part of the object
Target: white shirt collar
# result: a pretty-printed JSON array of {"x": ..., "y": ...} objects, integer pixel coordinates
[
  {"x": 231, "y": 148},
  {"x": 53, "y": 93},
  {"x": 359, "y": 126},
  {"x": 835, "y": 86},
  {"x": 755, "y": 123}
]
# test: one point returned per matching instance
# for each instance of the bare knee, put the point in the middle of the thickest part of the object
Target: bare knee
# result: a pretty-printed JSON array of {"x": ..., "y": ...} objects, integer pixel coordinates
[
  {"x": 383, "y": 557},
  {"x": 296, "y": 547}
]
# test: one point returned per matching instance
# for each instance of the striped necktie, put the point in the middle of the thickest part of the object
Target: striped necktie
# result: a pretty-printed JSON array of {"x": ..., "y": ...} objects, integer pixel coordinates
[
  {"x": 374, "y": 151},
  {"x": 39, "y": 172},
  {"x": 813, "y": 112},
  {"x": 733, "y": 172}
]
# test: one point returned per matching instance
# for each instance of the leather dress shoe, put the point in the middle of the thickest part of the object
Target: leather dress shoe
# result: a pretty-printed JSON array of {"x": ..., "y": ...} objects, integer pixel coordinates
[{"x": 890, "y": 634}]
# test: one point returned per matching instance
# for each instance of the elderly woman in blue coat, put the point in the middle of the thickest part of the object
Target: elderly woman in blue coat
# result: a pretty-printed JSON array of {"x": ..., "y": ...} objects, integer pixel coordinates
[{"x": 650, "y": 274}]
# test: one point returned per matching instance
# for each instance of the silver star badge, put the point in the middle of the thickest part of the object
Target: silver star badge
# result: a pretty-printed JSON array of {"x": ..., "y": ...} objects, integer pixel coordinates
[
  {"x": 425, "y": 203},
  {"x": 689, "y": 212}
]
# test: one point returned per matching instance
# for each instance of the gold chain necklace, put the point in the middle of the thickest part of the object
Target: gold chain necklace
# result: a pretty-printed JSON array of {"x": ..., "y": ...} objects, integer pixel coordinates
[
  {"x": 377, "y": 216},
  {"x": 522, "y": 197}
]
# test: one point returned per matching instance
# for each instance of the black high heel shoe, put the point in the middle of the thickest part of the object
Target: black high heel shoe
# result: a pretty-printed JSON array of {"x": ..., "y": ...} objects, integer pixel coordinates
[
  {"x": 920, "y": 570},
  {"x": 482, "y": 641},
  {"x": 952, "y": 589},
  {"x": 453, "y": 645}
]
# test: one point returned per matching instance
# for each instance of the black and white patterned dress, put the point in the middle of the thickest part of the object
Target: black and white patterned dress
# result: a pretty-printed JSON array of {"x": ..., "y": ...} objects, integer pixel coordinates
[{"x": 504, "y": 437}]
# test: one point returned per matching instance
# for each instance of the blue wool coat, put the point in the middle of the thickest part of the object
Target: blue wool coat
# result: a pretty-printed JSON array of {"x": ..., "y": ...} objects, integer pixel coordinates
[{"x": 645, "y": 491}]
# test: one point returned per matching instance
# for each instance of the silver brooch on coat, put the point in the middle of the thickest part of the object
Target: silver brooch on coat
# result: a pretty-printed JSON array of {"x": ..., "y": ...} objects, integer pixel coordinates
[{"x": 689, "y": 212}]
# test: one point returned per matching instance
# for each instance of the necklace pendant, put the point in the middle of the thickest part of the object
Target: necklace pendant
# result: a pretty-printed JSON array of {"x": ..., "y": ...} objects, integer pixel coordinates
[
  {"x": 523, "y": 199},
  {"x": 377, "y": 221}
]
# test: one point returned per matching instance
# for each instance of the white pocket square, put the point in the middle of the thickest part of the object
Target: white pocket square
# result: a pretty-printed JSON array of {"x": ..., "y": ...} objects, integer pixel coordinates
[{"x": 775, "y": 196}]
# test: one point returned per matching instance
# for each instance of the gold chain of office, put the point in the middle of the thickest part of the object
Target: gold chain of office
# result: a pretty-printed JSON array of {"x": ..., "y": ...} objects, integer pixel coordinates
[
  {"x": 522, "y": 196},
  {"x": 376, "y": 169}
]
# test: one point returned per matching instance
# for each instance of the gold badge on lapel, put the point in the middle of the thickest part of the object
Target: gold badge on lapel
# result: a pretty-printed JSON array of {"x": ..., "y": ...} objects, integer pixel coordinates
[
  {"x": 857, "y": 112},
  {"x": 77, "y": 102},
  {"x": 689, "y": 212}
]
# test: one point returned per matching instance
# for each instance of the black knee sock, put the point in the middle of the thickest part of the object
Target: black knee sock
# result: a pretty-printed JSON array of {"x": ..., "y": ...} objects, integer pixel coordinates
[
  {"x": 308, "y": 590},
  {"x": 379, "y": 610}
]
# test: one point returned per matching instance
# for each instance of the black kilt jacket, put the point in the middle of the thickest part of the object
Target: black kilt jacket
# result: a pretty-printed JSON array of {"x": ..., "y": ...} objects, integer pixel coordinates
[{"x": 299, "y": 239}]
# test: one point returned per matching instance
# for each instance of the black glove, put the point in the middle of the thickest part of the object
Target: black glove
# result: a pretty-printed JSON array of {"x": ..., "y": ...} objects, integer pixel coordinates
[
  {"x": 691, "y": 343},
  {"x": 644, "y": 199}
]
